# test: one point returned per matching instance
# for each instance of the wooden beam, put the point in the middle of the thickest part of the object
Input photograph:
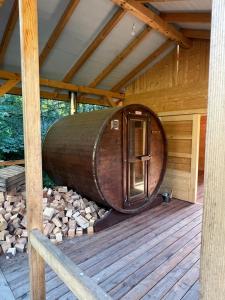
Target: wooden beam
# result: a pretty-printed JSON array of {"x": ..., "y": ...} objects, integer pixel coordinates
[
  {"x": 195, "y": 157},
  {"x": 212, "y": 275},
  {"x": 196, "y": 33},
  {"x": 63, "y": 97},
  {"x": 66, "y": 86},
  {"x": 32, "y": 138},
  {"x": 119, "y": 58},
  {"x": 94, "y": 45},
  {"x": 58, "y": 30},
  {"x": 9, "y": 75},
  {"x": 142, "y": 65},
  {"x": 80, "y": 89},
  {"x": 8, "y": 85},
  {"x": 9, "y": 30},
  {"x": 186, "y": 17},
  {"x": 2, "y": 2},
  {"x": 80, "y": 284},
  {"x": 155, "y": 21},
  {"x": 159, "y": 1},
  {"x": 4, "y": 163}
]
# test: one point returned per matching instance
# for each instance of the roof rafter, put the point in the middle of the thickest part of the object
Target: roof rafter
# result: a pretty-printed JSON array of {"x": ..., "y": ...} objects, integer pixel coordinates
[
  {"x": 119, "y": 58},
  {"x": 8, "y": 85},
  {"x": 14, "y": 14},
  {"x": 155, "y": 21},
  {"x": 186, "y": 17},
  {"x": 65, "y": 86},
  {"x": 58, "y": 30},
  {"x": 93, "y": 46},
  {"x": 141, "y": 66},
  {"x": 158, "y": 1}
]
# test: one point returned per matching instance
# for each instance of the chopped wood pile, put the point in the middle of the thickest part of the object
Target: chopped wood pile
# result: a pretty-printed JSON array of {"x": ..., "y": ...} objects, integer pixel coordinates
[
  {"x": 65, "y": 214},
  {"x": 11, "y": 177}
]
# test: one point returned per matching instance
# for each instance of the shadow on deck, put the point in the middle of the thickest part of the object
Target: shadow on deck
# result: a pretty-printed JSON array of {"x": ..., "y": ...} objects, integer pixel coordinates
[{"x": 154, "y": 255}]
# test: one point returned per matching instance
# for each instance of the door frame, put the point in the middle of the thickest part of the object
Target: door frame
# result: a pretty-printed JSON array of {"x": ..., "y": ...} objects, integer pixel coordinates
[{"x": 128, "y": 202}]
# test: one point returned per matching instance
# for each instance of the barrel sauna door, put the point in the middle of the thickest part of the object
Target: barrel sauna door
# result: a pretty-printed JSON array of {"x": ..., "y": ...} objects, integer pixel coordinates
[{"x": 138, "y": 157}]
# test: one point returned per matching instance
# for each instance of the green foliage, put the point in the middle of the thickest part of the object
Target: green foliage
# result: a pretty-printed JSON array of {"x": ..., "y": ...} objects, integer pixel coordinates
[
  {"x": 11, "y": 124},
  {"x": 88, "y": 107},
  {"x": 11, "y": 127}
]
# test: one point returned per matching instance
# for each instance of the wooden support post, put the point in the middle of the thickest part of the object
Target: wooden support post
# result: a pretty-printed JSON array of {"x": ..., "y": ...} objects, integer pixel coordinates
[
  {"x": 73, "y": 103},
  {"x": 32, "y": 136},
  {"x": 213, "y": 235},
  {"x": 195, "y": 157}
]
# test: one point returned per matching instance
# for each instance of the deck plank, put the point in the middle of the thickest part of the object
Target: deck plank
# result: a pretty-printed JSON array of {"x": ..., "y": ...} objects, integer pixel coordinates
[
  {"x": 157, "y": 255},
  {"x": 183, "y": 285},
  {"x": 5, "y": 291},
  {"x": 168, "y": 282},
  {"x": 82, "y": 253},
  {"x": 193, "y": 293},
  {"x": 151, "y": 255},
  {"x": 111, "y": 254},
  {"x": 140, "y": 282}
]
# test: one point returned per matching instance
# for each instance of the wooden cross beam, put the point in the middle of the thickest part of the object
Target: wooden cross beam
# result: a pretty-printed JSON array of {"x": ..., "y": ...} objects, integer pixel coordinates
[
  {"x": 58, "y": 29},
  {"x": 94, "y": 45},
  {"x": 64, "y": 97},
  {"x": 66, "y": 86},
  {"x": 196, "y": 33},
  {"x": 9, "y": 30},
  {"x": 119, "y": 58},
  {"x": 186, "y": 17},
  {"x": 8, "y": 85},
  {"x": 158, "y": 1},
  {"x": 153, "y": 20}
]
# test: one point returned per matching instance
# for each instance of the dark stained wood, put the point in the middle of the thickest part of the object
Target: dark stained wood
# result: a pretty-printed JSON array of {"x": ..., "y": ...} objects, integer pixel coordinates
[
  {"x": 160, "y": 249},
  {"x": 84, "y": 152},
  {"x": 182, "y": 286},
  {"x": 114, "y": 217}
]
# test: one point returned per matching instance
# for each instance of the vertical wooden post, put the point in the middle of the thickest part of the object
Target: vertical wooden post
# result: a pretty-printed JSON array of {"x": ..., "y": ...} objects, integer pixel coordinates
[
  {"x": 213, "y": 237},
  {"x": 195, "y": 157},
  {"x": 32, "y": 136},
  {"x": 73, "y": 103}
]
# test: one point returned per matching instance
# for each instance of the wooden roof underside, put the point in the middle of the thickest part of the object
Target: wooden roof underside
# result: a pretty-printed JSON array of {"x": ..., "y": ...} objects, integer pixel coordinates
[{"x": 88, "y": 46}]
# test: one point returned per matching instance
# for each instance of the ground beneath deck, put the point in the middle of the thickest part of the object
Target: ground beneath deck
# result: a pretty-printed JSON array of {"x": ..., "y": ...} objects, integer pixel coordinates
[{"x": 154, "y": 255}]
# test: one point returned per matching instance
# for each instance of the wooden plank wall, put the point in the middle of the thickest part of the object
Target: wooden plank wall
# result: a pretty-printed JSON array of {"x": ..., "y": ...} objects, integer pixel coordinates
[
  {"x": 183, "y": 148},
  {"x": 176, "y": 89},
  {"x": 177, "y": 82}
]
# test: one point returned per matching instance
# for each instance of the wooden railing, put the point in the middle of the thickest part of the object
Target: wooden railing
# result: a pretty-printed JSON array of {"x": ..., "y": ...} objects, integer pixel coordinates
[
  {"x": 4, "y": 163},
  {"x": 81, "y": 285}
]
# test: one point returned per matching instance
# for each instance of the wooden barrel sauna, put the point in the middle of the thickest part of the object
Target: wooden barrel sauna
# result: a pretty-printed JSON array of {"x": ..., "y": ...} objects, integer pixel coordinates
[{"x": 116, "y": 157}]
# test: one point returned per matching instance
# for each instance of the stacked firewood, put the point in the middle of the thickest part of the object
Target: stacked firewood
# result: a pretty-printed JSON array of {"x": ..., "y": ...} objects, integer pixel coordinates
[{"x": 65, "y": 214}]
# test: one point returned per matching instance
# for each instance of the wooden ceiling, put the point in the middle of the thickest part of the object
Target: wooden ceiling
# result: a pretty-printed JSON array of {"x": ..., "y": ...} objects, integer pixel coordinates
[{"x": 165, "y": 22}]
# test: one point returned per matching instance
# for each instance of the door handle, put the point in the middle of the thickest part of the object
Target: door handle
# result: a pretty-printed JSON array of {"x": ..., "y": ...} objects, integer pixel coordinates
[{"x": 145, "y": 157}]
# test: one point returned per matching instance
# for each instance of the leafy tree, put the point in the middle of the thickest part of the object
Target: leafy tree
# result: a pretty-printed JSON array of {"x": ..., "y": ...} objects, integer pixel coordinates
[
  {"x": 11, "y": 122},
  {"x": 11, "y": 127}
]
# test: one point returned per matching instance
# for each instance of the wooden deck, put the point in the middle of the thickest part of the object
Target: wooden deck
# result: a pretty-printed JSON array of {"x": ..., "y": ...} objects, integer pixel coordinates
[{"x": 154, "y": 255}]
